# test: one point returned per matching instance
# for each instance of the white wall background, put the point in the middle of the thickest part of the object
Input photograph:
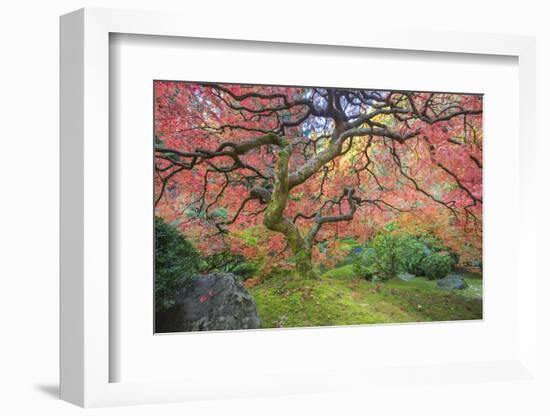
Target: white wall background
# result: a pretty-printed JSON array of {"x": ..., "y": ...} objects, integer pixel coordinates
[{"x": 29, "y": 185}]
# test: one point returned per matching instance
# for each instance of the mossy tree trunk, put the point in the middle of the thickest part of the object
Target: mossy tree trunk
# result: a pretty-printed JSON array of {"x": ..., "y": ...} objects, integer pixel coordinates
[
  {"x": 275, "y": 220},
  {"x": 304, "y": 266}
]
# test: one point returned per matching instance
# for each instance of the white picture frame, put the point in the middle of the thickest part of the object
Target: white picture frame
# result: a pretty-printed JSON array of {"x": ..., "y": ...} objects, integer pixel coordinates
[{"x": 85, "y": 164}]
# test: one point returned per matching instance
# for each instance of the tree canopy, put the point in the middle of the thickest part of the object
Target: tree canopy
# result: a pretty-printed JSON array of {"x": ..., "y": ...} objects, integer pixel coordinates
[{"x": 296, "y": 169}]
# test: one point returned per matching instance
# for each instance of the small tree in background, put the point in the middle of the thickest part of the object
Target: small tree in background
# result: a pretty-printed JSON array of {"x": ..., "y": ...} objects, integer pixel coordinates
[
  {"x": 389, "y": 253},
  {"x": 393, "y": 251},
  {"x": 436, "y": 265}
]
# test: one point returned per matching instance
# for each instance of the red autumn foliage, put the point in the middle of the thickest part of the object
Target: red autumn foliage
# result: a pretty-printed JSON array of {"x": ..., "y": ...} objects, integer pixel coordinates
[{"x": 356, "y": 160}]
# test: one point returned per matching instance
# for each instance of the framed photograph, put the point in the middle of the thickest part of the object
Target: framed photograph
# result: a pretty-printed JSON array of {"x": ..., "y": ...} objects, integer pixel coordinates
[
  {"x": 287, "y": 206},
  {"x": 287, "y": 213}
]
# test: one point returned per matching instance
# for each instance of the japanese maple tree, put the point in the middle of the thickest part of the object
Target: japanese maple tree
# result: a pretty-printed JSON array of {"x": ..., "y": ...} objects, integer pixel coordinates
[{"x": 309, "y": 163}]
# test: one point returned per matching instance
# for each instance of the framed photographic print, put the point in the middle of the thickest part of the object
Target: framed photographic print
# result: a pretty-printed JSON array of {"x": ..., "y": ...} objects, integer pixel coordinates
[
  {"x": 280, "y": 206},
  {"x": 333, "y": 203}
]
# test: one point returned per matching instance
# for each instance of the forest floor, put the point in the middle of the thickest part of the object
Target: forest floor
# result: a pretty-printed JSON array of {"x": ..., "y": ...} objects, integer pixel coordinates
[{"x": 340, "y": 298}]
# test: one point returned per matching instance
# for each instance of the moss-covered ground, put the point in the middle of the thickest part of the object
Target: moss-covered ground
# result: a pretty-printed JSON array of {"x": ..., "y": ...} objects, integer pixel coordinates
[{"x": 338, "y": 297}]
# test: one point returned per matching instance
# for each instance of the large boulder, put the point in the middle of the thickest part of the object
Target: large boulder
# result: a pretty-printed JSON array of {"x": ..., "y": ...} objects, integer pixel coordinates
[
  {"x": 451, "y": 282},
  {"x": 216, "y": 301}
]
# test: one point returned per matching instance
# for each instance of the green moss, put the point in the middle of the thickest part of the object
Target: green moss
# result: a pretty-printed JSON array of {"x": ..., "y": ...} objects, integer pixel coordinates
[
  {"x": 475, "y": 286},
  {"x": 349, "y": 244},
  {"x": 471, "y": 275},
  {"x": 338, "y": 298},
  {"x": 344, "y": 272}
]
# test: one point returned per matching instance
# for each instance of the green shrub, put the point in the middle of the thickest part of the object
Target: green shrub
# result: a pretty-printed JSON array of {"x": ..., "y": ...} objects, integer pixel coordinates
[
  {"x": 222, "y": 262},
  {"x": 393, "y": 251},
  {"x": 388, "y": 254},
  {"x": 411, "y": 252},
  {"x": 365, "y": 265},
  {"x": 230, "y": 263},
  {"x": 246, "y": 269},
  {"x": 434, "y": 244},
  {"x": 346, "y": 272},
  {"x": 176, "y": 261},
  {"x": 387, "y": 260},
  {"x": 436, "y": 265}
]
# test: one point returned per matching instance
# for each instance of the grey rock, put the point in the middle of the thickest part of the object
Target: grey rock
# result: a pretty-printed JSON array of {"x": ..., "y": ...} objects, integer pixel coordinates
[
  {"x": 216, "y": 301},
  {"x": 451, "y": 282},
  {"x": 406, "y": 276}
]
